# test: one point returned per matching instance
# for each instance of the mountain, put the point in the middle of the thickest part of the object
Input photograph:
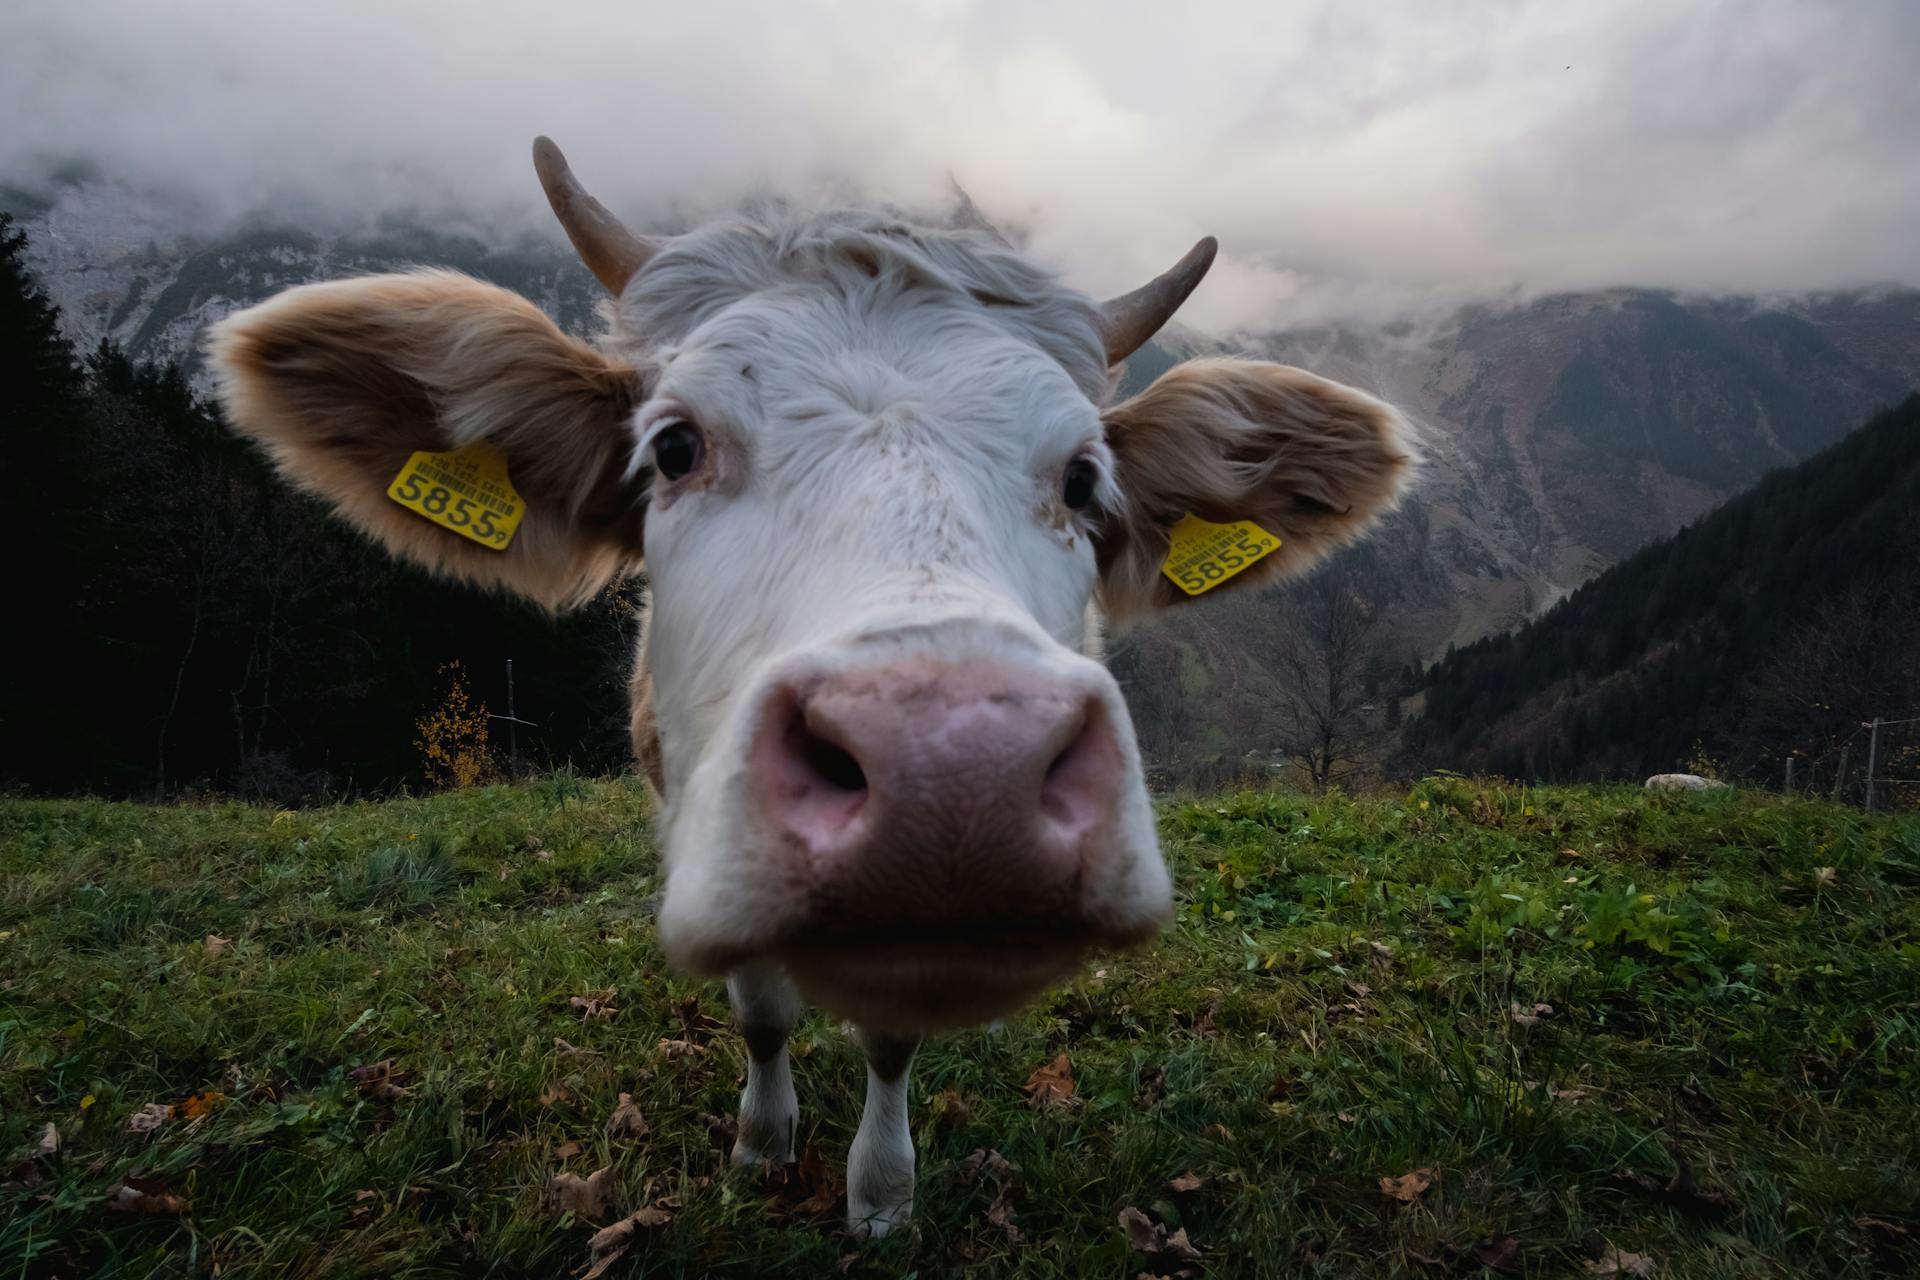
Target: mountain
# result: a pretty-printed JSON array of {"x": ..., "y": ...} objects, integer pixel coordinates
[
  {"x": 1774, "y": 625},
  {"x": 1561, "y": 433}
]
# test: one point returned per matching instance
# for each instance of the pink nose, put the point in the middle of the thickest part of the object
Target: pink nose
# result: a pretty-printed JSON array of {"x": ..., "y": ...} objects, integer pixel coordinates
[{"x": 927, "y": 793}]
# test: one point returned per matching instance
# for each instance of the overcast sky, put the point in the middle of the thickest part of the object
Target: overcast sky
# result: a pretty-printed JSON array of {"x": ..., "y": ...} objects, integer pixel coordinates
[{"x": 1356, "y": 159}]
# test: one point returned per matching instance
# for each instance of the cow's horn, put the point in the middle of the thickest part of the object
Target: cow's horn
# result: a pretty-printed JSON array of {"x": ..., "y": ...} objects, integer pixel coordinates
[
  {"x": 610, "y": 251},
  {"x": 1126, "y": 322}
]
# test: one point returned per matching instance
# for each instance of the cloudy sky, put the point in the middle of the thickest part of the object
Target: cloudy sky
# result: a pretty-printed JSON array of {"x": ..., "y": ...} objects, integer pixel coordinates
[{"x": 1357, "y": 160}]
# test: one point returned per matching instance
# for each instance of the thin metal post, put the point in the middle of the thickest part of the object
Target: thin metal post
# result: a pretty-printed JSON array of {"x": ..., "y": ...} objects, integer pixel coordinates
[
  {"x": 513, "y": 725},
  {"x": 1789, "y": 775},
  {"x": 1840, "y": 778},
  {"x": 1873, "y": 763}
]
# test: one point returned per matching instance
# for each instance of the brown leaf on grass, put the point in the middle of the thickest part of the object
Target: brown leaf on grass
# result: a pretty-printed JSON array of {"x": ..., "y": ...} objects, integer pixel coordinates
[
  {"x": 626, "y": 1120},
  {"x": 583, "y": 1197},
  {"x": 49, "y": 1143},
  {"x": 1408, "y": 1187},
  {"x": 381, "y": 1080},
  {"x": 696, "y": 1024},
  {"x": 201, "y": 1104},
  {"x": 365, "y": 1201},
  {"x": 1153, "y": 1088},
  {"x": 1205, "y": 1024},
  {"x": 596, "y": 1005},
  {"x": 1569, "y": 855},
  {"x": 982, "y": 1163},
  {"x": 27, "y": 1174},
  {"x": 675, "y": 1050},
  {"x": 1618, "y": 1262},
  {"x": 1679, "y": 1192},
  {"x": 950, "y": 1110},
  {"x": 1051, "y": 1085},
  {"x": 566, "y": 1151},
  {"x": 149, "y": 1117},
  {"x": 807, "y": 1185},
  {"x": 1380, "y": 956},
  {"x": 1283, "y": 1084},
  {"x": 1188, "y": 1181},
  {"x": 555, "y": 1092},
  {"x": 137, "y": 1194},
  {"x": 610, "y": 1244},
  {"x": 1144, "y": 1235},
  {"x": 1502, "y": 1254},
  {"x": 574, "y": 1050},
  {"x": 1000, "y": 1214},
  {"x": 215, "y": 945},
  {"x": 721, "y": 1130},
  {"x": 1221, "y": 1132},
  {"x": 1527, "y": 1015}
]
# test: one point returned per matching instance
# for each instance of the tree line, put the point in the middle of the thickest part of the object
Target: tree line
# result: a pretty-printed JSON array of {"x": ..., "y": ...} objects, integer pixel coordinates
[{"x": 184, "y": 619}]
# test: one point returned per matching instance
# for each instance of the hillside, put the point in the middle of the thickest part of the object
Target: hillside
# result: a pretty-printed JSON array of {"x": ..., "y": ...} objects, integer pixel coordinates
[
  {"x": 1774, "y": 624},
  {"x": 1562, "y": 433},
  {"x": 341, "y": 1041}
]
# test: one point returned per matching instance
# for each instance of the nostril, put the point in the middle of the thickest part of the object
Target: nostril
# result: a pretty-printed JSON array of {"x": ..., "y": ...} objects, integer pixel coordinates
[
  {"x": 1071, "y": 791},
  {"x": 831, "y": 764}
]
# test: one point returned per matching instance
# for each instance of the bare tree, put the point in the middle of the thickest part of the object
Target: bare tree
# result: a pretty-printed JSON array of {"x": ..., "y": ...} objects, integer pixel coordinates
[{"x": 1317, "y": 664}]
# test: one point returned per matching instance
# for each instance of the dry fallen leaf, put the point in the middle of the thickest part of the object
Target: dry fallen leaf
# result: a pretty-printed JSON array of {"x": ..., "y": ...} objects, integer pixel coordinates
[
  {"x": 626, "y": 1120},
  {"x": 1144, "y": 1235},
  {"x": 1618, "y": 1262},
  {"x": 1000, "y": 1214},
  {"x": 555, "y": 1092},
  {"x": 1502, "y": 1254},
  {"x": 596, "y": 1005},
  {"x": 1569, "y": 855},
  {"x": 1153, "y": 1088},
  {"x": 950, "y": 1110},
  {"x": 566, "y": 1151},
  {"x": 574, "y": 1050},
  {"x": 49, "y": 1142},
  {"x": 674, "y": 1050},
  {"x": 136, "y": 1194},
  {"x": 201, "y": 1104},
  {"x": 1188, "y": 1181},
  {"x": 380, "y": 1080},
  {"x": 217, "y": 946},
  {"x": 1678, "y": 1192},
  {"x": 610, "y": 1244},
  {"x": 982, "y": 1163},
  {"x": 149, "y": 1117},
  {"x": 1051, "y": 1085},
  {"x": 807, "y": 1184},
  {"x": 583, "y": 1197},
  {"x": 1408, "y": 1187},
  {"x": 1380, "y": 956},
  {"x": 1526, "y": 1016},
  {"x": 1204, "y": 1025},
  {"x": 696, "y": 1024}
]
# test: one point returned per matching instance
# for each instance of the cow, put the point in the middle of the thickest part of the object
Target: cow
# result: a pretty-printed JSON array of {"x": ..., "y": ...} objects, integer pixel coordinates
[{"x": 886, "y": 497}]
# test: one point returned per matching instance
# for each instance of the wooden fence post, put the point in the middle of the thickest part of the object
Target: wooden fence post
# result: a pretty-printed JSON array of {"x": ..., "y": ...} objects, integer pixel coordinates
[{"x": 1873, "y": 763}]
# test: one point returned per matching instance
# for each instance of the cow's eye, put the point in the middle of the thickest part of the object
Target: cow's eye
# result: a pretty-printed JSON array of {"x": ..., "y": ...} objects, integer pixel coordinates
[
  {"x": 677, "y": 449},
  {"x": 1076, "y": 486}
]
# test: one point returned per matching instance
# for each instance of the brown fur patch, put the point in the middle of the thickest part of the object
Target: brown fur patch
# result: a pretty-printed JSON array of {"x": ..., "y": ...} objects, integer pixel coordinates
[
  {"x": 340, "y": 382},
  {"x": 1304, "y": 458}
]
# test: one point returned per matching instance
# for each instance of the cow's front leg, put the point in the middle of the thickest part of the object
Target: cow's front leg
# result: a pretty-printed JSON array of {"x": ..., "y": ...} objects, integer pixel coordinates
[
  {"x": 880, "y": 1165},
  {"x": 766, "y": 1007}
]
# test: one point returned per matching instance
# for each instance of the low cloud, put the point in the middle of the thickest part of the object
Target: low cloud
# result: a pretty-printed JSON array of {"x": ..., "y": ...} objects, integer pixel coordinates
[{"x": 1357, "y": 161}]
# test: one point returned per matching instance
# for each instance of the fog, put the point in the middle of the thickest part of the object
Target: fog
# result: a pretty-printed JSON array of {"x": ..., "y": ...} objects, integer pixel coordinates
[{"x": 1357, "y": 161}]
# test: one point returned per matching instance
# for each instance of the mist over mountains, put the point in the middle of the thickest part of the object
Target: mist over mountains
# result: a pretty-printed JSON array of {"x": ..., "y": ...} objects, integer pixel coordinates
[{"x": 1561, "y": 434}]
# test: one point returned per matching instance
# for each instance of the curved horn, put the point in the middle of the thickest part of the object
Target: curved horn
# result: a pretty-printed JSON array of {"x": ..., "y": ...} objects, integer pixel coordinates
[
  {"x": 1126, "y": 322},
  {"x": 610, "y": 251}
]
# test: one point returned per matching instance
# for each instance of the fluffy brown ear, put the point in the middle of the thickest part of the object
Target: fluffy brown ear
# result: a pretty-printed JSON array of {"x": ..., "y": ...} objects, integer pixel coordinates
[
  {"x": 1310, "y": 461},
  {"x": 342, "y": 382}
]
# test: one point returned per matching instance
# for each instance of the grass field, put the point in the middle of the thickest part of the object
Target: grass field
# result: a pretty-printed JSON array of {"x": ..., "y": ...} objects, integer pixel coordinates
[{"x": 346, "y": 1042}]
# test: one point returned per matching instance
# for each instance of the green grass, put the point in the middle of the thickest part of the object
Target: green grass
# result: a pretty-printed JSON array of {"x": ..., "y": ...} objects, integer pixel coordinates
[{"x": 1734, "y": 982}]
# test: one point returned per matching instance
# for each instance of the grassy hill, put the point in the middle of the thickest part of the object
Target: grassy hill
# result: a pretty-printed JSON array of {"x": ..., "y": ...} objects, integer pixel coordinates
[{"x": 349, "y": 1038}]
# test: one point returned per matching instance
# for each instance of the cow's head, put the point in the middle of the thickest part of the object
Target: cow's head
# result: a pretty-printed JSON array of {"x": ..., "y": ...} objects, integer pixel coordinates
[{"x": 878, "y": 489}]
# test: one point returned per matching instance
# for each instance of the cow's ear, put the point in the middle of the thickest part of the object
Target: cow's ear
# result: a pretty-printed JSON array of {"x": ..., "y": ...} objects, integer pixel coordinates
[
  {"x": 1310, "y": 462},
  {"x": 342, "y": 382}
]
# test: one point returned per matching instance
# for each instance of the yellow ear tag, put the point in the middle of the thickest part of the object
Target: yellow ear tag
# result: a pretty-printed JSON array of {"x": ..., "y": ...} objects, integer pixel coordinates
[
  {"x": 1202, "y": 555},
  {"x": 466, "y": 491}
]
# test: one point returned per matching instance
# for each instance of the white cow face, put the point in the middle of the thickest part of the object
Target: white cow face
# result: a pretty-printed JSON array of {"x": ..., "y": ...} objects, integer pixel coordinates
[{"x": 876, "y": 488}]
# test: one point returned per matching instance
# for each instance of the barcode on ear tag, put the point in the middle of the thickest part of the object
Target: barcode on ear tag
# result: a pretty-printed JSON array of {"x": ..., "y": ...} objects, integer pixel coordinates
[
  {"x": 1201, "y": 555},
  {"x": 466, "y": 491}
]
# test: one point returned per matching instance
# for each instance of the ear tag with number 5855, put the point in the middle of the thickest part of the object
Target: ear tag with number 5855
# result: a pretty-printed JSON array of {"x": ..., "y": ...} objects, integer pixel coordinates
[
  {"x": 1201, "y": 555},
  {"x": 466, "y": 491}
]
